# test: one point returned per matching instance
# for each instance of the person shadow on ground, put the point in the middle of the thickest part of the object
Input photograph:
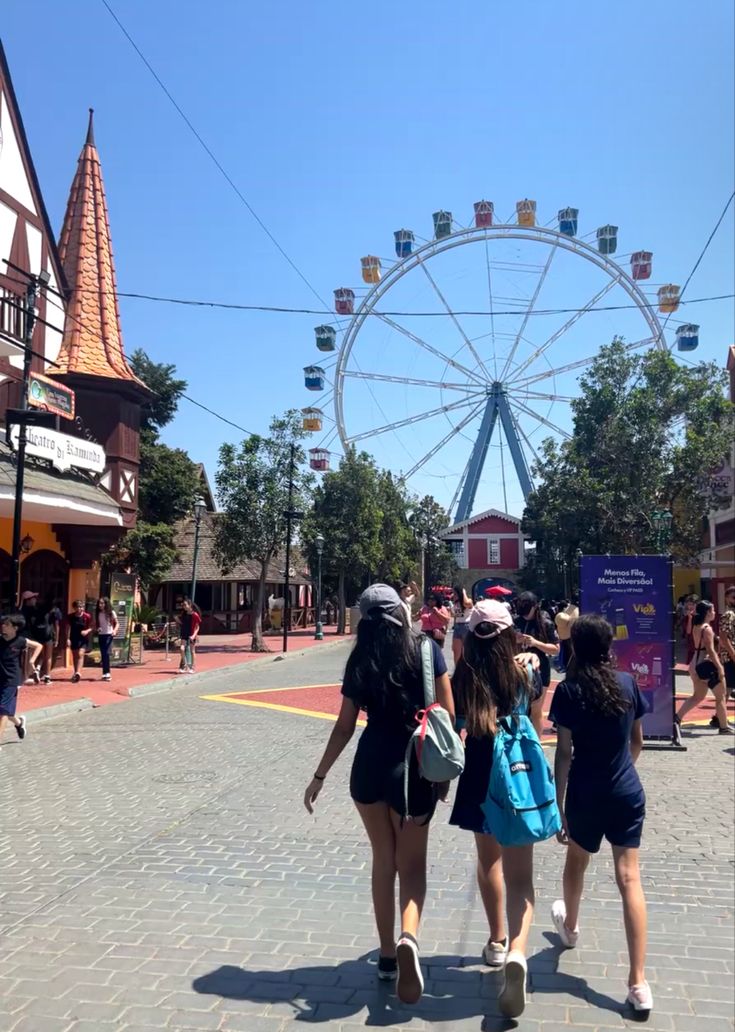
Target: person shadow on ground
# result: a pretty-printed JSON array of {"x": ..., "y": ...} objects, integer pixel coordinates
[{"x": 454, "y": 991}]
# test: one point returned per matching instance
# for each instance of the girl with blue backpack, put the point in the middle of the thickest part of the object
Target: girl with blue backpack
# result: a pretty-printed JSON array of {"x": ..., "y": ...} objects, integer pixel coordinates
[
  {"x": 386, "y": 677},
  {"x": 491, "y": 684},
  {"x": 598, "y": 715}
]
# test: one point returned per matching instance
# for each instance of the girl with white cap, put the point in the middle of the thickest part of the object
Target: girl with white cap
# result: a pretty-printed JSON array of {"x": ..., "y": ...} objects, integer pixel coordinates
[
  {"x": 491, "y": 682},
  {"x": 384, "y": 678}
]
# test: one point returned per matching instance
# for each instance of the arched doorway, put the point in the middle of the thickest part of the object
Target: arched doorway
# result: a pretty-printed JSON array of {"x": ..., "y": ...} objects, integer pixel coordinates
[
  {"x": 47, "y": 573},
  {"x": 7, "y": 595}
]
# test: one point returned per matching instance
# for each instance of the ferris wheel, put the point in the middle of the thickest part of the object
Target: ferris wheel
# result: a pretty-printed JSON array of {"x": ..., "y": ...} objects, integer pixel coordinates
[{"x": 464, "y": 351}]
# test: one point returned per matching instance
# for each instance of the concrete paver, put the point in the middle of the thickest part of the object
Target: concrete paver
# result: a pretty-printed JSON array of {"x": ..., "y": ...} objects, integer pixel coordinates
[{"x": 159, "y": 872}]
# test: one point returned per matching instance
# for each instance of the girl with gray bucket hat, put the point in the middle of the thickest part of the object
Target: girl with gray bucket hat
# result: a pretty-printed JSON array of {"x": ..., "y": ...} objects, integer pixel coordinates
[{"x": 383, "y": 677}]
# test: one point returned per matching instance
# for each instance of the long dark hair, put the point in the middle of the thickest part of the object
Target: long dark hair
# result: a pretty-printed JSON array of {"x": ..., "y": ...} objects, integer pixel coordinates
[
  {"x": 590, "y": 666},
  {"x": 108, "y": 606},
  {"x": 524, "y": 604},
  {"x": 700, "y": 613},
  {"x": 384, "y": 657},
  {"x": 487, "y": 680}
]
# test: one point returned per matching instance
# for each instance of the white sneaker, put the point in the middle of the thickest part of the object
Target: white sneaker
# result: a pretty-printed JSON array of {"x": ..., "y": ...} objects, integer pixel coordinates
[
  {"x": 494, "y": 953},
  {"x": 559, "y": 917},
  {"x": 107, "y": 677},
  {"x": 640, "y": 998},
  {"x": 410, "y": 983},
  {"x": 512, "y": 998}
]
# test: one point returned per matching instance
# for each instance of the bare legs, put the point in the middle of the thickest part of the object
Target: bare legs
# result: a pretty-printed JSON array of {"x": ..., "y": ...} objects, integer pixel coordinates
[
  {"x": 78, "y": 658},
  {"x": 628, "y": 878},
  {"x": 396, "y": 851},
  {"x": 537, "y": 711},
  {"x": 699, "y": 695},
  {"x": 573, "y": 880},
  {"x": 520, "y": 896},
  {"x": 490, "y": 883},
  {"x": 720, "y": 703}
]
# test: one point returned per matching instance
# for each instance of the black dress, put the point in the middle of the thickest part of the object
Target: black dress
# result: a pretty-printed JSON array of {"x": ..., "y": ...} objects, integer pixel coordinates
[{"x": 378, "y": 769}]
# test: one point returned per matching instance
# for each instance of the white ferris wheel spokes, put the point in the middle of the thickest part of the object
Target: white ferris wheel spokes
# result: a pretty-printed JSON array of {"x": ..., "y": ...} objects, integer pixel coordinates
[{"x": 395, "y": 381}]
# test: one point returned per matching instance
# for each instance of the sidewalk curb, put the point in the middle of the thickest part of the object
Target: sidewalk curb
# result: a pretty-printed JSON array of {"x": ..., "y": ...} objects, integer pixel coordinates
[
  {"x": 207, "y": 675},
  {"x": 59, "y": 709}
]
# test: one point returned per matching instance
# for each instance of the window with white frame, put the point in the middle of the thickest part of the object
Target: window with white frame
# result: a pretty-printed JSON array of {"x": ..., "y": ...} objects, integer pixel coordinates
[
  {"x": 493, "y": 552},
  {"x": 457, "y": 550}
]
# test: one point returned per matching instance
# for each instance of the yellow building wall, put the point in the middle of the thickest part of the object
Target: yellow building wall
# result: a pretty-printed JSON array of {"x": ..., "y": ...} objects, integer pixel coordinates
[
  {"x": 687, "y": 581},
  {"x": 42, "y": 534}
]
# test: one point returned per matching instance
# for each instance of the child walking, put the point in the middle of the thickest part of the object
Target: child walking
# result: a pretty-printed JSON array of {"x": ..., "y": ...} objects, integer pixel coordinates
[
  {"x": 598, "y": 716},
  {"x": 384, "y": 677},
  {"x": 491, "y": 682},
  {"x": 80, "y": 626},
  {"x": 107, "y": 624},
  {"x": 12, "y": 654}
]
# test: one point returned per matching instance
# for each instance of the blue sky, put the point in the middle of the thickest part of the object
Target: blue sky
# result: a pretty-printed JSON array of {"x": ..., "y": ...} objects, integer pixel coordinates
[{"x": 341, "y": 123}]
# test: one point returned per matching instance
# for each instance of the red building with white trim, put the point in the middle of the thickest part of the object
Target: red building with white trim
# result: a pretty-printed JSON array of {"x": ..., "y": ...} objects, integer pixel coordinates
[{"x": 489, "y": 544}]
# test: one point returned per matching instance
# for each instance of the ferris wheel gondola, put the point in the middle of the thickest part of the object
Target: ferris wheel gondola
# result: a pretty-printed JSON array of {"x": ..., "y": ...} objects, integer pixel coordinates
[{"x": 499, "y": 388}]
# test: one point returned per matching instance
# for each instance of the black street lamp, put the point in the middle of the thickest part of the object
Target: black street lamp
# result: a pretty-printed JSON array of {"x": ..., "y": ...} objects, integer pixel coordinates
[
  {"x": 319, "y": 545},
  {"x": 200, "y": 507},
  {"x": 662, "y": 521}
]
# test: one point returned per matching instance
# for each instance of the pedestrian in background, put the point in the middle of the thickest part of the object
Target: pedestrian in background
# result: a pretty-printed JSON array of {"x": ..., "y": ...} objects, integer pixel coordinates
[
  {"x": 490, "y": 683},
  {"x": 13, "y": 648},
  {"x": 35, "y": 629},
  {"x": 384, "y": 678},
  {"x": 563, "y": 621},
  {"x": 189, "y": 623},
  {"x": 53, "y": 618},
  {"x": 80, "y": 626},
  {"x": 727, "y": 639},
  {"x": 409, "y": 592},
  {"x": 705, "y": 668},
  {"x": 536, "y": 634},
  {"x": 107, "y": 625},
  {"x": 599, "y": 738},
  {"x": 435, "y": 619},
  {"x": 462, "y": 609}
]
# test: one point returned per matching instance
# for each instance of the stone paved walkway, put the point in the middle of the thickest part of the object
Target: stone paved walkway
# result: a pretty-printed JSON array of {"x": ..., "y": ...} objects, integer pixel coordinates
[{"x": 159, "y": 872}]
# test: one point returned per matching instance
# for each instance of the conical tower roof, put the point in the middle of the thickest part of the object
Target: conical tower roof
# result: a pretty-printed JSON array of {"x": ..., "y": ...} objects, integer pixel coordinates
[{"x": 92, "y": 341}]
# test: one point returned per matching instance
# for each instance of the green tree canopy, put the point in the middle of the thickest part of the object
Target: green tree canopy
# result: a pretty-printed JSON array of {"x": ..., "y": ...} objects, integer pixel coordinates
[
  {"x": 428, "y": 519},
  {"x": 168, "y": 480},
  {"x": 252, "y": 481},
  {"x": 646, "y": 434}
]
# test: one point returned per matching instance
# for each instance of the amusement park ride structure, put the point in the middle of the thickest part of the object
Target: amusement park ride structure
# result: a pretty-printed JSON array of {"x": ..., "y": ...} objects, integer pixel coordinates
[{"x": 496, "y": 392}]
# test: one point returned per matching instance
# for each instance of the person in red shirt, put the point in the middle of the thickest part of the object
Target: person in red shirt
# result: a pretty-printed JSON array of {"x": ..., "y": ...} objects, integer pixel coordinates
[{"x": 189, "y": 621}]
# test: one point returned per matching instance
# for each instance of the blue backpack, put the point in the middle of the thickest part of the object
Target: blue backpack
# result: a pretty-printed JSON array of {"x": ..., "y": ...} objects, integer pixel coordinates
[{"x": 520, "y": 806}]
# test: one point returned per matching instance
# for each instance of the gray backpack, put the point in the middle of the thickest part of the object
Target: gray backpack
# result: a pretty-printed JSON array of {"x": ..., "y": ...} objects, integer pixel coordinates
[{"x": 439, "y": 749}]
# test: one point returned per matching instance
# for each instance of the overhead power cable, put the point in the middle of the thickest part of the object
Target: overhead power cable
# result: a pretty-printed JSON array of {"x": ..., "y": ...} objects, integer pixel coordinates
[{"x": 211, "y": 155}]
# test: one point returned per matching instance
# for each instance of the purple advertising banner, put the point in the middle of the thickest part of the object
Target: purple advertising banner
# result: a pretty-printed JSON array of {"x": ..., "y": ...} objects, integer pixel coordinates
[{"x": 633, "y": 593}]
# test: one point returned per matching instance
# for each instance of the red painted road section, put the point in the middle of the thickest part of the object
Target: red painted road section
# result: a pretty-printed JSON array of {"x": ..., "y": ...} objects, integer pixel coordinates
[
  {"x": 326, "y": 699},
  {"x": 215, "y": 652}
]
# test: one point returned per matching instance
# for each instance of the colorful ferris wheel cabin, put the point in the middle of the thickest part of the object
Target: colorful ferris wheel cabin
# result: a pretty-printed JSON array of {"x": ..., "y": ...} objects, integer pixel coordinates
[
  {"x": 326, "y": 338},
  {"x": 484, "y": 214},
  {"x": 312, "y": 419},
  {"x": 319, "y": 459},
  {"x": 568, "y": 221},
  {"x": 314, "y": 377},
  {"x": 526, "y": 212},
  {"x": 404, "y": 242},
  {"x": 370, "y": 268},
  {"x": 607, "y": 239},
  {"x": 344, "y": 301},
  {"x": 687, "y": 337},
  {"x": 442, "y": 224},
  {"x": 641, "y": 263},
  {"x": 668, "y": 297}
]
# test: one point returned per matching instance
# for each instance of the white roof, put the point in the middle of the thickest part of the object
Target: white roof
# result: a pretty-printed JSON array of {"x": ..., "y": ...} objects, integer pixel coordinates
[{"x": 456, "y": 527}]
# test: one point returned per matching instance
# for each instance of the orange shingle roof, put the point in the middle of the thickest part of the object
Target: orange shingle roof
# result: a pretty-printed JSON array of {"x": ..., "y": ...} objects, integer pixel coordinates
[{"x": 92, "y": 341}]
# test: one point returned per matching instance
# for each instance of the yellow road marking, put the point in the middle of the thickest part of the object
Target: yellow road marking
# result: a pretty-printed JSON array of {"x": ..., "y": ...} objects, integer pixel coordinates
[{"x": 276, "y": 706}]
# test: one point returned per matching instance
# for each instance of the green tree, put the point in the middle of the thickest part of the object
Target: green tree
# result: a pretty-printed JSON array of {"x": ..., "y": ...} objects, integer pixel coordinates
[
  {"x": 427, "y": 520},
  {"x": 399, "y": 559},
  {"x": 252, "y": 482},
  {"x": 646, "y": 433},
  {"x": 168, "y": 481},
  {"x": 347, "y": 512}
]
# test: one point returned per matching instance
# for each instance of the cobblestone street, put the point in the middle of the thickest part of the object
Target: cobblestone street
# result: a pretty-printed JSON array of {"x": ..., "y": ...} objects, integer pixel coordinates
[{"x": 160, "y": 872}]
